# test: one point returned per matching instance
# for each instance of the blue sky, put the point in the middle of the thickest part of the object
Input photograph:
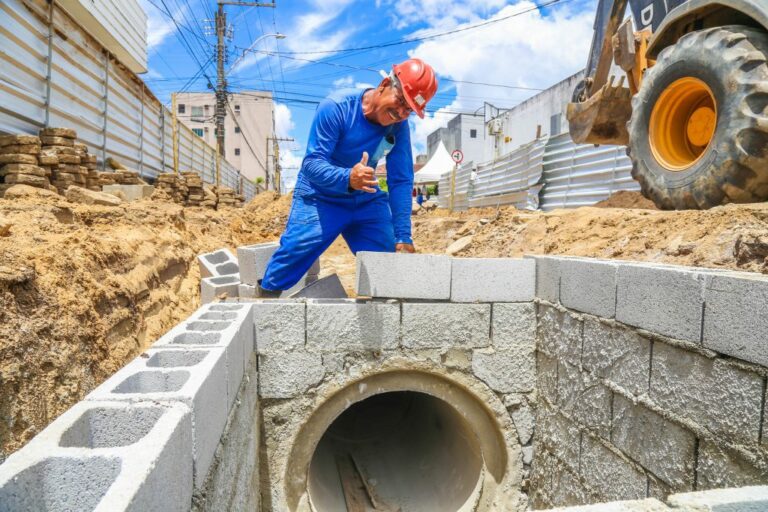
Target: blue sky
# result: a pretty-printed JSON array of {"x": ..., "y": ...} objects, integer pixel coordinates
[{"x": 516, "y": 50}]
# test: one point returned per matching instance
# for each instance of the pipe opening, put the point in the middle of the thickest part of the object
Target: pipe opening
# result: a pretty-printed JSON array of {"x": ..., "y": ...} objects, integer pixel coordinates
[{"x": 401, "y": 450}]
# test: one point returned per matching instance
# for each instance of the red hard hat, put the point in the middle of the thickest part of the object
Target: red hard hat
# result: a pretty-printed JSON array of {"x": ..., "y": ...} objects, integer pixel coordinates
[{"x": 418, "y": 82}]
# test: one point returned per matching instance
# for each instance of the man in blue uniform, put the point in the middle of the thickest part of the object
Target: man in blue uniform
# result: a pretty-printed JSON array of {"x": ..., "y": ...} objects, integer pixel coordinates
[{"x": 337, "y": 192}]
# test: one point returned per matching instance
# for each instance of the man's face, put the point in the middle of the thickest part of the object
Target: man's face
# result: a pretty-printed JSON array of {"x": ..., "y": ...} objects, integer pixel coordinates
[{"x": 391, "y": 105}]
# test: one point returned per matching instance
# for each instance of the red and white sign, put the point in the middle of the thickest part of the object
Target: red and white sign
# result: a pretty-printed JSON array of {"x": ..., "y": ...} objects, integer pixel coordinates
[{"x": 457, "y": 156}]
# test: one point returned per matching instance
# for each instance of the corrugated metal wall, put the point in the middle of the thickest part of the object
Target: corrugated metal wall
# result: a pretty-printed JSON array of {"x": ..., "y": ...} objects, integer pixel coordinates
[
  {"x": 583, "y": 174},
  {"x": 114, "y": 113},
  {"x": 547, "y": 174}
]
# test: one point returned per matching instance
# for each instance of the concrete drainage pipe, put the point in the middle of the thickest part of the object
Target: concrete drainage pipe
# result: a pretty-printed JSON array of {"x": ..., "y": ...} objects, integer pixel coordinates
[
  {"x": 397, "y": 451},
  {"x": 398, "y": 441}
]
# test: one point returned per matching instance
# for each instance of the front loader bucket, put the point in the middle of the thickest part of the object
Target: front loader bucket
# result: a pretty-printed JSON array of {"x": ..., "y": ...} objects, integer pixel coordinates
[{"x": 602, "y": 119}]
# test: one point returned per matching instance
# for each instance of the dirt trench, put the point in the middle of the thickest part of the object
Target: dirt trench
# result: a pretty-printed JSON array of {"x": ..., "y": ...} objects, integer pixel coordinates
[{"x": 84, "y": 289}]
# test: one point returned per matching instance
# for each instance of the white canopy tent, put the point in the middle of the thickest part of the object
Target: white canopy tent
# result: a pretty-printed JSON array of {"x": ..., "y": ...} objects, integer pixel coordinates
[{"x": 440, "y": 163}]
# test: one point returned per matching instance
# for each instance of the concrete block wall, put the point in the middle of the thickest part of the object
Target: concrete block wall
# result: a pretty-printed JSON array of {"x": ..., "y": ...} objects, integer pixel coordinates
[
  {"x": 651, "y": 381},
  {"x": 594, "y": 402},
  {"x": 150, "y": 436}
]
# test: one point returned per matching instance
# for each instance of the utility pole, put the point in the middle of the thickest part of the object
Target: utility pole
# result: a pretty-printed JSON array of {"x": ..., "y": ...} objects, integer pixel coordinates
[
  {"x": 222, "y": 32},
  {"x": 275, "y": 160}
]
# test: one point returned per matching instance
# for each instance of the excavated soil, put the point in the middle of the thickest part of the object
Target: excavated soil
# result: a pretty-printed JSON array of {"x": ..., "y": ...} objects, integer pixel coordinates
[{"x": 83, "y": 289}]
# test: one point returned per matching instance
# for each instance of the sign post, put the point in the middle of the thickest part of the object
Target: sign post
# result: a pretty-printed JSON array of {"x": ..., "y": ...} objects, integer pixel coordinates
[{"x": 457, "y": 157}]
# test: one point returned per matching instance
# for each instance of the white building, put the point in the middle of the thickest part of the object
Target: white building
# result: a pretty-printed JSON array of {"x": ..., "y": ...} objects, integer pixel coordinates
[
  {"x": 248, "y": 128},
  {"x": 464, "y": 132},
  {"x": 543, "y": 114}
]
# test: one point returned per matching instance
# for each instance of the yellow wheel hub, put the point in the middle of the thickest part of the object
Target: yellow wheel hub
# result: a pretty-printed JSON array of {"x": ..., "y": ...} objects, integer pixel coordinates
[{"x": 682, "y": 124}]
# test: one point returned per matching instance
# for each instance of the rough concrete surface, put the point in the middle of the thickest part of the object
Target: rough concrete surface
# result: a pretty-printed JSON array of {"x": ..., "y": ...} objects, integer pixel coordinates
[
  {"x": 506, "y": 371},
  {"x": 340, "y": 326},
  {"x": 514, "y": 325},
  {"x": 435, "y": 325},
  {"x": 710, "y": 392},
  {"x": 285, "y": 375},
  {"x": 589, "y": 286},
  {"x": 279, "y": 325},
  {"x": 618, "y": 354},
  {"x": 666, "y": 449}
]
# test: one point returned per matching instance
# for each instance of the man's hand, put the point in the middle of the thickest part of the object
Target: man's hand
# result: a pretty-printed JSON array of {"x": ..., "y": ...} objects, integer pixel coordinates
[
  {"x": 405, "y": 248},
  {"x": 361, "y": 177}
]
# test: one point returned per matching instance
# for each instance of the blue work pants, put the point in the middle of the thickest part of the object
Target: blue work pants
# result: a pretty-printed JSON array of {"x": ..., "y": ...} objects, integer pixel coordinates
[{"x": 314, "y": 222}]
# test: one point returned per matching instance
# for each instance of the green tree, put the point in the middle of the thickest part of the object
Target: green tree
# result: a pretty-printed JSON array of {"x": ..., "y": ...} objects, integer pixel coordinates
[{"x": 383, "y": 184}]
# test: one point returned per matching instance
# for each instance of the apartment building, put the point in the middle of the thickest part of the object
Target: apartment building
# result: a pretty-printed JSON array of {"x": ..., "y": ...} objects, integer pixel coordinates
[{"x": 248, "y": 126}]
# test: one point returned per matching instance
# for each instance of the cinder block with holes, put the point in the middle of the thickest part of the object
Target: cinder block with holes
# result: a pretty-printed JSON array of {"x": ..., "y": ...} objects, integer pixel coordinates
[
  {"x": 105, "y": 455},
  {"x": 218, "y": 263},
  {"x": 213, "y": 287}
]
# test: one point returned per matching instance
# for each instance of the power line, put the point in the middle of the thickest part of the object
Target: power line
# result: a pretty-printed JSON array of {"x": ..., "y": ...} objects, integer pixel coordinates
[{"x": 433, "y": 36}]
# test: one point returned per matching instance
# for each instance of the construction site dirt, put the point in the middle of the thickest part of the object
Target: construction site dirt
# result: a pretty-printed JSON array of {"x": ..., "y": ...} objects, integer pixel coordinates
[{"x": 84, "y": 289}]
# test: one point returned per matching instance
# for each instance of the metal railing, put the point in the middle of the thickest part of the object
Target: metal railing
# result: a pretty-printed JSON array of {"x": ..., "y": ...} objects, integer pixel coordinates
[{"x": 73, "y": 82}]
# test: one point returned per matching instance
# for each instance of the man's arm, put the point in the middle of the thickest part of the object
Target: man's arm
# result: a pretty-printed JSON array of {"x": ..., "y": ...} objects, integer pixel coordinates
[
  {"x": 400, "y": 183},
  {"x": 323, "y": 137}
]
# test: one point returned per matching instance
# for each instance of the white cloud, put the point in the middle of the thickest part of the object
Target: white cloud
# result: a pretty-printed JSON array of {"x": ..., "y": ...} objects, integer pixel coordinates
[
  {"x": 529, "y": 50},
  {"x": 159, "y": 25},
  {"x": 284, "y": 124}
]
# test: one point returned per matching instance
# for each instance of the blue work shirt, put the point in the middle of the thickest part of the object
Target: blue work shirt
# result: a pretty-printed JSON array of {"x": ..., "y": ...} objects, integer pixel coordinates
[{"x": 339, "y": 135}]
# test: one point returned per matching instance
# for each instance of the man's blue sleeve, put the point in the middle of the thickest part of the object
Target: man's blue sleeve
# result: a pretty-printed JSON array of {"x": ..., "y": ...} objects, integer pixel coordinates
[
  {"x": 400, "y": 183},
  {"x": 323, "y": 137}
]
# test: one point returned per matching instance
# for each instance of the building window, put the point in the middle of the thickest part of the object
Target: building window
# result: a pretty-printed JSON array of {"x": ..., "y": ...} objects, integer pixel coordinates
[
  {"x": 237, "y": 109},
  {"x": 206, "y": 109},
  {"x": 197, "y": 113},
  {"x": 206, "y": 129},
  {"x": 237, "y": 151},
  {"x": 237, "y": 129},
  {"x": 198, "y": 131},
  {"x": 473, "y": 134},
  {"x": 182, "y": 108},
  {"x": 554, "y": 125}
]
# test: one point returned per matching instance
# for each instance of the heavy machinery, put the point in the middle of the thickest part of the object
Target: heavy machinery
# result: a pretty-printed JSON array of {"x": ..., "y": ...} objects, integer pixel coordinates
[{"x": 690, "y": 101}]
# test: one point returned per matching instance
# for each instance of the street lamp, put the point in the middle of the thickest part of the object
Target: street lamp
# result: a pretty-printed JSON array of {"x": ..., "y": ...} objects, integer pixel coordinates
[{"x": 276, "y": 35}]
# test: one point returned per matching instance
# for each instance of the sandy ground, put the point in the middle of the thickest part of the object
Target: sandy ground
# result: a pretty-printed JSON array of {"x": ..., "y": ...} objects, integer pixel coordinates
[{"x": 83, "y": 289}]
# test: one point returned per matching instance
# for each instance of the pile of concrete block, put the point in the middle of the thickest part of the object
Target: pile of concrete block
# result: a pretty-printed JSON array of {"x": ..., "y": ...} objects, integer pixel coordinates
[
  {"x": 209, "y": 197},
  {"x": 62, "y": 158},
  {"x": 19, "y": 162},
  {"x": 195, "y": 194},
  {"x": 220, "y": 275},
  {"x": 226, "y": 197},
  {"x": 171, "y": 187},
  {"x": 90, "y": 164}
]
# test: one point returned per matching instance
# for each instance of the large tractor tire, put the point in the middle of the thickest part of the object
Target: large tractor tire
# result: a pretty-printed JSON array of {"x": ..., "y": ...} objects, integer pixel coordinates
[{"x": 698, "y": 135}]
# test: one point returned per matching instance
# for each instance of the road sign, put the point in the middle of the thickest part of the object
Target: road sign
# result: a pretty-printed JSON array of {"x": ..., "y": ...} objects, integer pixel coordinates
[{"x": 457, "y": 156}]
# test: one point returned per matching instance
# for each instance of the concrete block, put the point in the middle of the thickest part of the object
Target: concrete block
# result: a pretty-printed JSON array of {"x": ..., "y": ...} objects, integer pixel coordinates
[
  {"x": 559, "y": 334},
  {"x": 589, "y": 286},
  {"x": 183, "y": 376},
  {"x": 285, "y": 375},
  {"x": 444, "y": 325},
  {"x": 718, "y": 468},
  {"x": 492, "y": 280},
  {"x": 618, "y": 354},
  {"x": 522, "y": 416},
  {"x": 546, "y": 376},
  {"x": 513, "y": 325},
  {"x": 735, "y": 320},
  {"x": 404, "y": 276},
  {"x": 246, "y": 291},
  {"x": 744, "y": 499},
  {"x": 279, "y": 325},
  {"x": 710, "y": 392},
  {"x": 664, "y": 448},
  {"x": 664, "y": 300},
  {"x": 130, "y": 192},
  {"x": 217, "y": 263},
  {"x": 305, "y": 281},
  {"x": 104, "y": 456},
  {"x": 213, "y": 287},
  {"x": 349, "y": 325},
  {"x": 610, "y": 475},
  {"x": 222, "y": 325},
  {"x": 506, "y": 371},
  {"x": 329, "y": 287},
  {"x": 253, "y": 261},
  {"x": 559, "y": 436},
  {"x": 581, "y": 396},
  {"x": 547, "y": 277}
]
